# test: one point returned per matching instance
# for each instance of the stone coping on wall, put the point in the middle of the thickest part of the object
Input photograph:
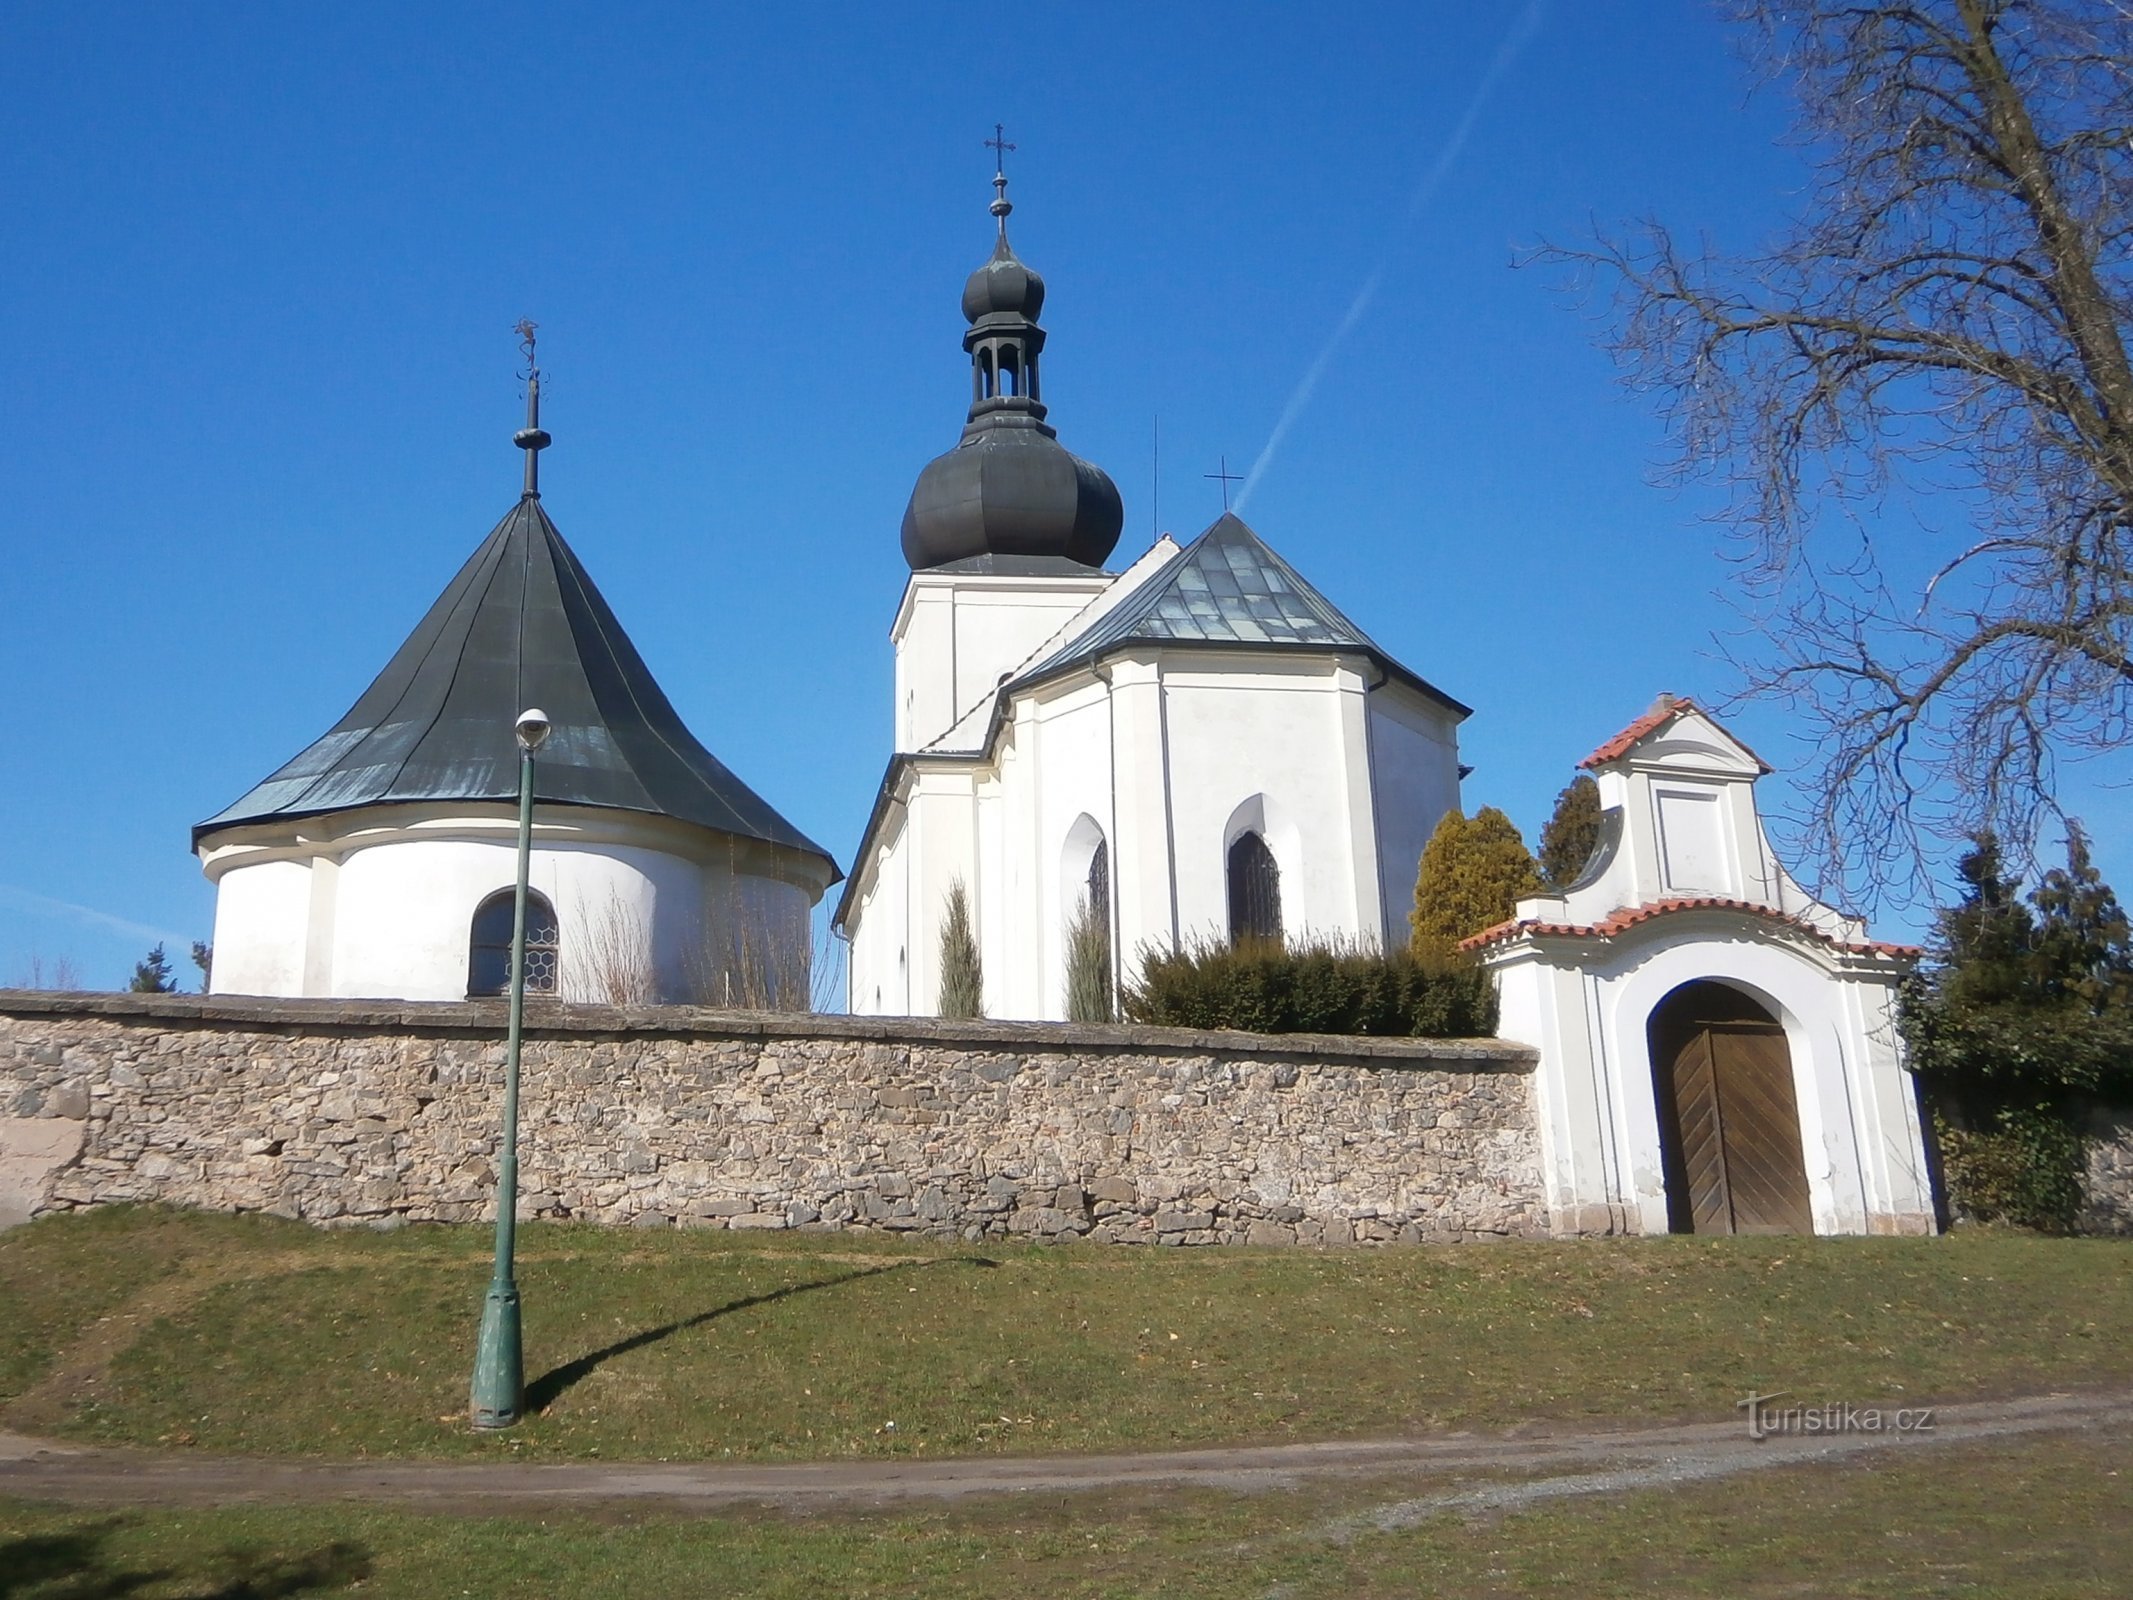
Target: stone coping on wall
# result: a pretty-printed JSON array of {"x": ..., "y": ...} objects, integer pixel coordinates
[{"x": 549, "y": 1019}]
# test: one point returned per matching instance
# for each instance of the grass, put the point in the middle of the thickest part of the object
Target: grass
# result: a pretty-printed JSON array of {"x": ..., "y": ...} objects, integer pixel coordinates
[
  {"x": 255, "y": 1335},
  {"x": 2032, "y": 1517}
]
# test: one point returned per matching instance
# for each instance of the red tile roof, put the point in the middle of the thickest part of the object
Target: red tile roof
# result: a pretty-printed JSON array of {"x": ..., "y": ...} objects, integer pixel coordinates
[
  {"x": 1650, "y": 723},
  {"x": 1618, "y": 921}
]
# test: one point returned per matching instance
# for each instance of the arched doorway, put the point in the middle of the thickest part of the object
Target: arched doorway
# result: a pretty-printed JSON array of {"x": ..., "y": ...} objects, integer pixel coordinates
[{"x": 1729, "y": 1125}]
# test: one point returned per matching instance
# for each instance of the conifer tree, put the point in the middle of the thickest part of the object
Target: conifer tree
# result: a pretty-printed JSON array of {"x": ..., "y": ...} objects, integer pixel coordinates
[
  {"x": 2084, "y": 945},
  {"x": 1571, "y": 834},
  {"x": 962, "y": 970},
  {"x": 2024, "y": 1015},
  {"x": 152, "y": 976},
  {"x": 204, "y": 959},
  {"x": 1474, "y": 871}
]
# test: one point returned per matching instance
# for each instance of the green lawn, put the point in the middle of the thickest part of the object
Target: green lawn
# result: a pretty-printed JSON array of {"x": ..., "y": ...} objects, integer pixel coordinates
[
  {"x": 2028, "y": 1517},
  {"x": 250, "y": 1334}
]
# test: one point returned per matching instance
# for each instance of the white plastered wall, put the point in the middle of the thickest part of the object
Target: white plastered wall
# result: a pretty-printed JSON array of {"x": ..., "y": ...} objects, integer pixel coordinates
[
  {"x": 1683, "y": 826},
  {"x": 378, "y": 904},
  {"x": 1414, "y": 762},
  {"x": 1586, "y": 1006},
  {"x": 1165, "y": 753}
]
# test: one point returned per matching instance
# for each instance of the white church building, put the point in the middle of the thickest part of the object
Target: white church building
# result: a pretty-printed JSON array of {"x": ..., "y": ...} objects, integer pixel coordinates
[
  {"x": 1199, "y": 746},
  {"x": 1203, "y": 747},
  {"x": 381, "y": 861}
]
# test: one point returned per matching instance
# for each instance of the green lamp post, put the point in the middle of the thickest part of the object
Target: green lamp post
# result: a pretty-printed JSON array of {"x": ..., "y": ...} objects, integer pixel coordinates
[{"x": 499, "y": 1387}]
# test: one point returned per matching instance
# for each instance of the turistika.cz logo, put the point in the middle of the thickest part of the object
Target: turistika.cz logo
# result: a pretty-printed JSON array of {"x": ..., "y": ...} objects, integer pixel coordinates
[{"x": 1766, "y": 1420}]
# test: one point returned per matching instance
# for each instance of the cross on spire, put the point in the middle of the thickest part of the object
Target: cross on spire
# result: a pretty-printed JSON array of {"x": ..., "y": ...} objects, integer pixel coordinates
[
  {"x": 531, "y": 438},
  {"x": 1226, "y": 478},
  {"x": 999, "y": 146}
]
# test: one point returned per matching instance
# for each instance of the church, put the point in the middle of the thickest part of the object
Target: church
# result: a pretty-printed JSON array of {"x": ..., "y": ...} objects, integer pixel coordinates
[
  {"x": 1198, "y": 747},
  {"x": 381, "y": 860},
  {"x": 1201, "y": 746}
]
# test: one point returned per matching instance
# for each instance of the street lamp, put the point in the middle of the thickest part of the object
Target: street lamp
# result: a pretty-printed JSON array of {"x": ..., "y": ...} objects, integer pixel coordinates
[{"x": 499, "y": 1387}]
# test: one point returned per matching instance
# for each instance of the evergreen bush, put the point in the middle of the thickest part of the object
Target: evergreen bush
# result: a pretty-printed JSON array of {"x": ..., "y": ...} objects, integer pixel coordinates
[
  {"x": 1473, "y": 873},
  {"x": 962, "y": 971},
  {"x": 1571, "y": 834},
  {"x": 1315, "y": 986},
  {"x": 1088, "y": 959},
  {"x": 2024, "y": 1018}
]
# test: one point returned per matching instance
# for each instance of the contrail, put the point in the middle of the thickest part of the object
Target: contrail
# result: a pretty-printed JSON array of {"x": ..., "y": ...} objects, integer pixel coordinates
[
  {"x": 1520, "y": 35},
  {"x": 25, "y": 900}
]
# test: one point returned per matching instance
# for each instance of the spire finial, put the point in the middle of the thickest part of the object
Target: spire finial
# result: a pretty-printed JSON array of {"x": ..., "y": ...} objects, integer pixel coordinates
[
  {"x": 999, "y": 146},
  {"x": 531, "y": 438}
]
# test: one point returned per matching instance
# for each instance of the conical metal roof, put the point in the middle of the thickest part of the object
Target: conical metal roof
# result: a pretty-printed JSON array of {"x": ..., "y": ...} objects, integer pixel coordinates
[{"x": 521, "y": 625}]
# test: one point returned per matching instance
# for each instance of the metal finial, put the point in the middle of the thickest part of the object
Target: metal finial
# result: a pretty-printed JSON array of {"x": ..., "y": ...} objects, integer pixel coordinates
[
  {"x": 998, "y": 144},
  {"x": 531, "y": 438}
]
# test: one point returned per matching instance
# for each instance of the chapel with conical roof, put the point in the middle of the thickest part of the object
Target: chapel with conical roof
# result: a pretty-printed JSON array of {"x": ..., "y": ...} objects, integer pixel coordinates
[
  {"x": 1202, "y": 744},
  {"x": 380, "y": 861}
]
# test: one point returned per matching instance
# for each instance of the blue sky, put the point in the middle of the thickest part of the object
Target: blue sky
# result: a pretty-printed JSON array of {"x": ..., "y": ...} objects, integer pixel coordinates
[{"x": 259, "y": 383}]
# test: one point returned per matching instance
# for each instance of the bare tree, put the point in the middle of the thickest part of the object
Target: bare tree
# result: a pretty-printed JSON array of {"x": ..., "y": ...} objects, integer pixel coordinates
[{"x": 1939, "y": 346}]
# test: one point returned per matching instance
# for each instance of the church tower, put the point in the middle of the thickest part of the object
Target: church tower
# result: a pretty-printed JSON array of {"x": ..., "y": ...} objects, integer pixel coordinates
[
  {"x": 1200, "y": 746},
  {"x": 1008, "y": 532}
]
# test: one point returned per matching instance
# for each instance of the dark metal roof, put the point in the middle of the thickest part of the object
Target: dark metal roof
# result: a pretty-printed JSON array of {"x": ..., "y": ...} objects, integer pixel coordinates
[
  {"x": 1009, "y": 488},
  {"x": 521, "y": 625},
  {"x": 1227, "y": 587}
]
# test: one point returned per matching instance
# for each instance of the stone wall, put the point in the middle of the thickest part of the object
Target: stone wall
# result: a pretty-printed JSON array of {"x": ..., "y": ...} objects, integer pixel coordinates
[
  {"x": 384, "y": 1112},
  {"x": 2107, "y": 1186}
]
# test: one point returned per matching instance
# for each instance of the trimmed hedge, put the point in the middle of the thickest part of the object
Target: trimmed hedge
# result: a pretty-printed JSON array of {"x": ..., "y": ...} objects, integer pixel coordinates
[{"x": 1321, "y": 987}]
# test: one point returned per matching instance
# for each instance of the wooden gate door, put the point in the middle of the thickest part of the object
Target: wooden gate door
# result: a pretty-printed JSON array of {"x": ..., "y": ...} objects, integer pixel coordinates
[{"x": 1728, "y": 1118}]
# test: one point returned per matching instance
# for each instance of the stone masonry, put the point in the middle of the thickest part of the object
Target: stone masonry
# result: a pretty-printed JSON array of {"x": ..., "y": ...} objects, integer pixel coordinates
[{"x": 386, "y": 1112}]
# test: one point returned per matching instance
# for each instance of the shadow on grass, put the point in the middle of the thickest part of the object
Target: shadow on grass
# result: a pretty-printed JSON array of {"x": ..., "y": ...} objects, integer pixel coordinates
[
  {"x": 76, "y": 1566},
  {"x": 553, "y": 1384}
]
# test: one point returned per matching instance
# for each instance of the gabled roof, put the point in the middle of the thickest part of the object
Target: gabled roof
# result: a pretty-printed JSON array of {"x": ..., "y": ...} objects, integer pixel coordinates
[
  {"x": 1227, "y": 588},
  {"x": 1621, "y": 921},
  {"x": 1665, "y": 710},
  {"x": 520, "y": 626}
]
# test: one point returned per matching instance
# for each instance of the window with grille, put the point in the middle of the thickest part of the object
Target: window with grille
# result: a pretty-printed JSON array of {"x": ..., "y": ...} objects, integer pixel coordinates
[
  {"x": 1100, "y": 884},
  {"x": 489, "y": 946},
  {"x": 1254, "y": 891}
]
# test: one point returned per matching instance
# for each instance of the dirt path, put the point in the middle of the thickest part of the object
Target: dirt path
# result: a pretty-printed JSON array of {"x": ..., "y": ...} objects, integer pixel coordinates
[{"x": 1537, "y": 1462}]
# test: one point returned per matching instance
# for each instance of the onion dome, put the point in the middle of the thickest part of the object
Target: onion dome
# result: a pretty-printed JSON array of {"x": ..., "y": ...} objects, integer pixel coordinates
[
  {"x": 1003, "y": 287},
  {"x": 1009, "y": 489}
]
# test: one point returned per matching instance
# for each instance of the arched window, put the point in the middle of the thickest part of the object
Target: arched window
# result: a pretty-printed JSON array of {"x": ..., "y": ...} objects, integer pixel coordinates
[
  {"x": 1254, "y": 891},
  {"x": 1100, "y": 884},
  {"x": 489, "y": 945}
]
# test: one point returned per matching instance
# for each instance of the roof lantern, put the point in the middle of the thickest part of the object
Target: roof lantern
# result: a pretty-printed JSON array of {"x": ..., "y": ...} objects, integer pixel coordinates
[{"x": 1009, "y": 496}]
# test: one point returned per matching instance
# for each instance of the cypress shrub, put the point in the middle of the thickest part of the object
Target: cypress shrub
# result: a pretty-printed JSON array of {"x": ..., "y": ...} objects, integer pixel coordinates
[
  {"x": 1318, "y": 986},
  {"x": 1571, "y": 834},
  {"x": 1472, "y": 874},
  {"x": 962, "y": 971},
  {"x": 1088, "y": 961}
]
